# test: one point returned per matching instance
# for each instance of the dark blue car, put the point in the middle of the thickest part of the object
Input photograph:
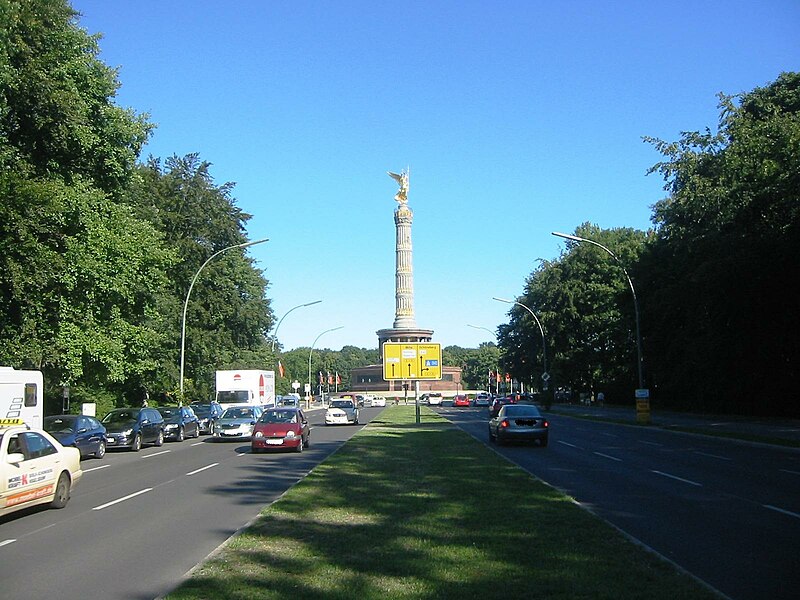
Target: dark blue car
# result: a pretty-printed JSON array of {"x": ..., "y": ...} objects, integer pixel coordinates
[
  {"x": 180, "y": 422},
  {"x": 85, "y": 433}
]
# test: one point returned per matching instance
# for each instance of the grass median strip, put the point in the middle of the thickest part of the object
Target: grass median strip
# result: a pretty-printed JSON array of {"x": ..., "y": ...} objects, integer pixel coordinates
[{"x": 407, "y": 510}]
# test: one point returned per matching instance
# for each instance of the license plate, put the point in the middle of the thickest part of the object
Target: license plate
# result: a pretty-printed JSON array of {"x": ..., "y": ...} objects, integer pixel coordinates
[{"x": 275, "y": 442}]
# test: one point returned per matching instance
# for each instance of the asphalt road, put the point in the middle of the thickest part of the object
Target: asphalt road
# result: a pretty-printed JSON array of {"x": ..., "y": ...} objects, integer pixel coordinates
[
  {"x": 138, "y": 522},
  {"x": 725, "y": 511}
]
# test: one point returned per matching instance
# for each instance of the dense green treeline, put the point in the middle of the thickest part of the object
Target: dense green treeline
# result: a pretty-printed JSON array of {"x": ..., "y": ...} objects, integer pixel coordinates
[
  {"x": 97, "y": 250},
  {"x": 714, "y": 277}
]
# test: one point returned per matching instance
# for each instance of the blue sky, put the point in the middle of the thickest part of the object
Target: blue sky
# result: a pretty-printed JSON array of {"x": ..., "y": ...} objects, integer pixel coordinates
[{"x": 516, "y": 118}]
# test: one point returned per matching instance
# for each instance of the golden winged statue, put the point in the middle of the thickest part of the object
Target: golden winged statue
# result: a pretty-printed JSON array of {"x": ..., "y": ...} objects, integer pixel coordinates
[{"x": 402, "y": 181}]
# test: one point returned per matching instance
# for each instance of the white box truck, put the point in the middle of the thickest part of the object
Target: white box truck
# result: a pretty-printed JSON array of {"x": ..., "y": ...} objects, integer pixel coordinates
[
  {"x": 245, "y": 388},
  {"x": 21, "y": 396}
]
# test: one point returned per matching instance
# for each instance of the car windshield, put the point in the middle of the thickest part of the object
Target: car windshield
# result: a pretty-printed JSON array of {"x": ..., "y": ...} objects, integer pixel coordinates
[
  {"x": 342, "y": 404},
  {"x": 169, "y": 411},
  {"x": 516, "y": 410},
  {"x": 60, "y": 424},
  {"x": 201, "y": 410},
  {"x": 121, "y": 416},
  {"x": 279, "y": 416},
  {"x": 238, "y": 413}
]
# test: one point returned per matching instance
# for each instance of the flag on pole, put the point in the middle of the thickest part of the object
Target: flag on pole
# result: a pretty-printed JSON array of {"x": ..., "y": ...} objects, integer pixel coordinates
[
  {"x": 281, "y": 370},
  {"x": 338, "y": 379},
  {"x": 330, "y": 378},
  {"x": 321, "y": 379}
]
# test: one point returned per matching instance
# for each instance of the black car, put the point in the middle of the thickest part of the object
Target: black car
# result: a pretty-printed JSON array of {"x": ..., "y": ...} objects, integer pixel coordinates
[
  {"x": 85, "y": 433},
  {"x": 207, "y": 415},
  {"x": 134, "y": 427},
  {"x": 180, "y": 422}
]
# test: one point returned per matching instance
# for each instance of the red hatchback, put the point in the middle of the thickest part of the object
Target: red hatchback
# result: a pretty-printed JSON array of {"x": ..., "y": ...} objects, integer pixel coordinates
[
  {"x": 282, "y": 427},
  {"x": 461, "y": 400}
]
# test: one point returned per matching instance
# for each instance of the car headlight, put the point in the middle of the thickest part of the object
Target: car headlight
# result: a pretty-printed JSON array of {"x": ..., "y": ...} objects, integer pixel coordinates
[
  {"x": 259, "y": 434},
  {"x": 127, "y": 433},
  {"x": 171, "y": 426},
  {"x": 290, "y": 434}
]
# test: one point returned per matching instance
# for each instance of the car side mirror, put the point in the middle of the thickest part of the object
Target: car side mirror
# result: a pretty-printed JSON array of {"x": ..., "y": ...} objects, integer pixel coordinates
[
  {"x": 15, "y": 458},
  {"x": 82, "y": 430}
]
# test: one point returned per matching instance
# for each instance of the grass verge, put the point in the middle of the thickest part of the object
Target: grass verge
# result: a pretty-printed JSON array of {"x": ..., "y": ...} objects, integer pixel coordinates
[{"x": 406, "y": 510}]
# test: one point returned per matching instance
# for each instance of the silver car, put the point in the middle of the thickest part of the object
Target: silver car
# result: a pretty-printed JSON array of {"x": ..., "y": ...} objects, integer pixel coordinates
[
  {"x": 519, "y": 423},
  {"x": 341, "y": 412},
  {"x": 236, "y": 423}
]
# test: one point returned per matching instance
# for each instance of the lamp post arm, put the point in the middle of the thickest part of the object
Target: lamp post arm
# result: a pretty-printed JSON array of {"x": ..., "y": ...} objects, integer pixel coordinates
[
  {"x": 286, "y": 314},
  {"x": 189, "y": 293},
  {"x": 312, "y": 349},
  {"x": 538, "y": 322},
  {"x": 639, "y": 359}
]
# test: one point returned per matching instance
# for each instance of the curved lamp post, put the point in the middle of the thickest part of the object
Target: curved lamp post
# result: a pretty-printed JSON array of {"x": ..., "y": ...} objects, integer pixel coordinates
[
  {"x": 639, "y": 359},
  {"x": 541, "y": 330},
  {"x": 312, "y": 349},
  {"x": 189, "y": 293},
  {"x": 497, "y": 378},
  {"x": 275, "y": 335}
]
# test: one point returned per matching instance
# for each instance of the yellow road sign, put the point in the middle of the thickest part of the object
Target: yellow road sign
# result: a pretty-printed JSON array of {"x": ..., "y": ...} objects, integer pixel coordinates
[{"x": 412, "y": 361}]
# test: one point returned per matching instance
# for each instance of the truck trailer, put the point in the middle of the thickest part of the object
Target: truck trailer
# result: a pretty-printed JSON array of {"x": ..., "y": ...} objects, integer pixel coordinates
[{"x": 249, "y": 387}]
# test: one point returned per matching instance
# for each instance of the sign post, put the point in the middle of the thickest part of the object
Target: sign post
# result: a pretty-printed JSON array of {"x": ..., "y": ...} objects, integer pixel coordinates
[
  {"x": 412, "y": 361},
  {"x": 643, "y": 406}
]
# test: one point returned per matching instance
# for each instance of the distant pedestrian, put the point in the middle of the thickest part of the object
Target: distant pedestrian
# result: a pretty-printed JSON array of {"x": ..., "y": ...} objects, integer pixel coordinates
[{"x": 601, "y": 398}]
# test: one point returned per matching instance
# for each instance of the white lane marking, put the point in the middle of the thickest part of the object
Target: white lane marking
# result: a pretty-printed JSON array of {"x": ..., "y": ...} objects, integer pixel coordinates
[
  {"x": 791, "y": 472},
  {"x": 7, "y": 542},
  {"x": 157, "y": 454},
  {"x": 118, "y": 500},
  {"x": 570, "y": 445},
  {"x": 651, "y": 443},
  {"x": 676, "y": 478},
  {"x": 198, "y": 443},
  {"x": 781, "y": 510},
  {"x": 96, "y": 468},
  {"x": 712, "y": 455},
  {"x": 609, "y": 457},
  {"x": 202, "y": 468},
  {"x": 608, "y": 434}
]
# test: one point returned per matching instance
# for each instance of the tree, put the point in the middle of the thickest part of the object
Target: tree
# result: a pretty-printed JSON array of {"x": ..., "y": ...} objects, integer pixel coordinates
[
  {"x": 229, "y": 315},
  {"x": 585, "y": 307},
  {"x": 722, "y": 322}
]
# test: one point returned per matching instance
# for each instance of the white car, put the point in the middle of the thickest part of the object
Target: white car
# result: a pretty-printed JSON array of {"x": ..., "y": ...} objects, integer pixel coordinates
[
  {"x": 483, "y": 399},
  {"x": 34, "y": 468},
  {"x": 435, "y": 399},
  {"x": 341, "y": 412},
  {"x": 378, "y": 401}
]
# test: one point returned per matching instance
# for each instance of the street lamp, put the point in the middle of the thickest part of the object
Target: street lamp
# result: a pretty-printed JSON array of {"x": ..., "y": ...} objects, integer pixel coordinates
[
  {"x": 275, "y": 335},
  {"x": 545, "y": 375},
  {"x": 639, "y": 360},
  {"x": 189, "y": 293},
  {"x": 312, "y": 350},
  {"x": 494, "y": 335},
  {"x": 497, "y": 379}
]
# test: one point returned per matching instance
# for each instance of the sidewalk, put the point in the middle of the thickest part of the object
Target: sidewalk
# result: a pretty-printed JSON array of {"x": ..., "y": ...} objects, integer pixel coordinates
[{"x": 761, "y": 429}]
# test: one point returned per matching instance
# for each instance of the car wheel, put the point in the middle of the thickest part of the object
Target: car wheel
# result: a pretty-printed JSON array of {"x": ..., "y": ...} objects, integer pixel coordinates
[
  {"x": 492, "y": 438},
  {"x": 299, "y": 447},
  {"x": 308, "y": 440},
  {"x": 101, "y": 450},
  {"x": 181, "y": 435},
  {"x": 62, "y": 492},
  {"x": 197, "y": 432},
  {"x": 137, "y": 443},
  {"x": 160, "y": 438}
]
